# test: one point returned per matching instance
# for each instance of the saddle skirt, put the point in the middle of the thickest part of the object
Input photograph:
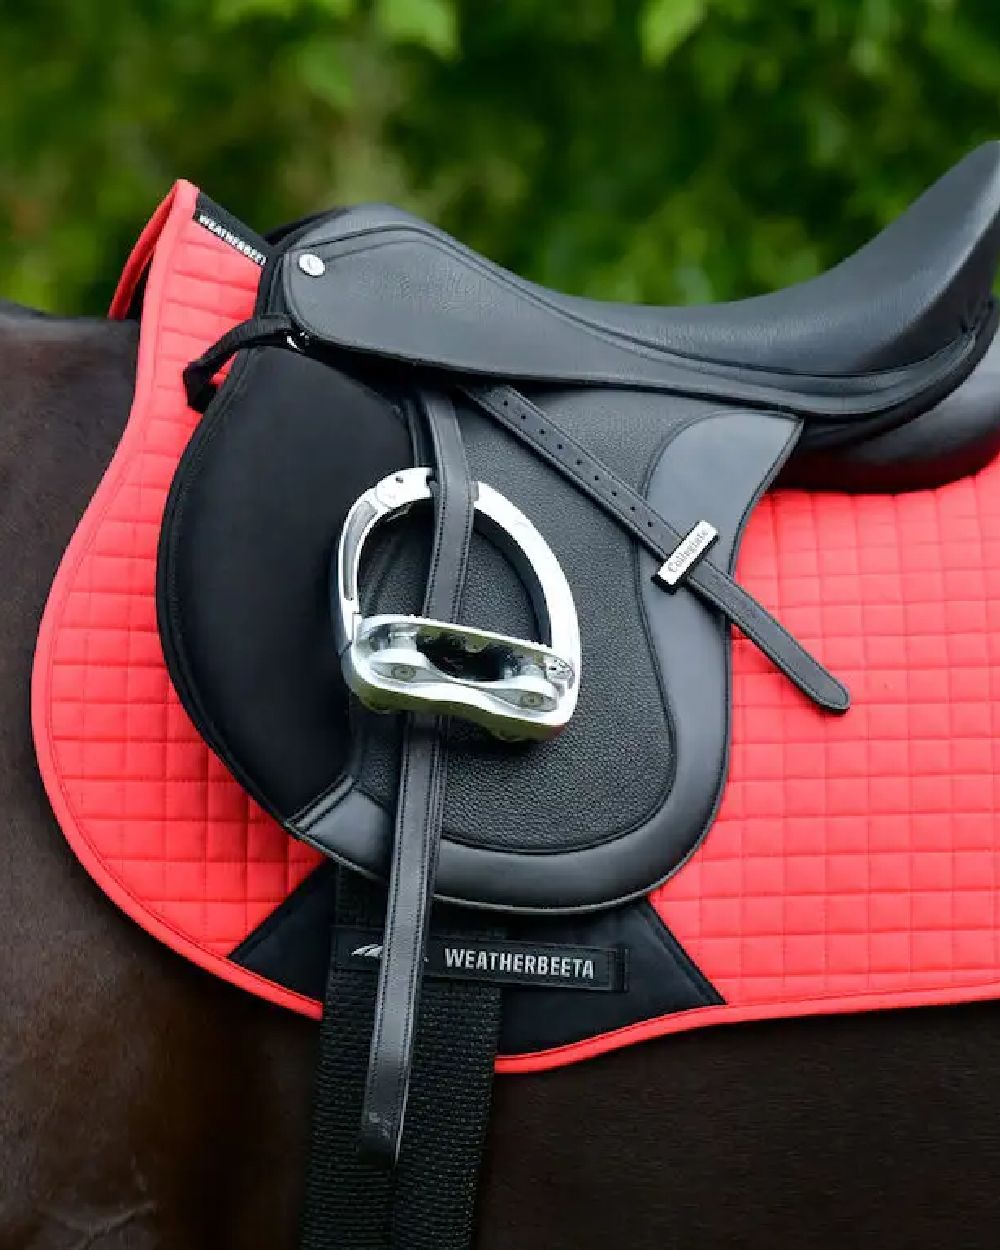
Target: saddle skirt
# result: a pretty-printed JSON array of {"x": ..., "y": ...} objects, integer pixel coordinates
[{"x": 850, "y": 863}]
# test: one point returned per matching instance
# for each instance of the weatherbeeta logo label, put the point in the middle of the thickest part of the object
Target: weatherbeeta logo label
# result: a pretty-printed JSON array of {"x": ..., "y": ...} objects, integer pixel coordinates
[
  {"x": 226, "y": 227},
  {"x": 233, "y": 240},
  {"x": 498, "y": 962}
]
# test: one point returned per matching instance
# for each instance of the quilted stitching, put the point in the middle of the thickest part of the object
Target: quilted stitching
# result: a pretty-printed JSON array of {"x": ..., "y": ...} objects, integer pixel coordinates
[
  {"x": 167, "y": 821},
  {"x": 861, "y": 854}
]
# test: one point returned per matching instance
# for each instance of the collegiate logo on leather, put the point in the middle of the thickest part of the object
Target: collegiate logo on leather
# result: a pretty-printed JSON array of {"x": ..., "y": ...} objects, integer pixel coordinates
[
  {"x": 501, "y": 962},
  {"x": 687, "y": 553}
]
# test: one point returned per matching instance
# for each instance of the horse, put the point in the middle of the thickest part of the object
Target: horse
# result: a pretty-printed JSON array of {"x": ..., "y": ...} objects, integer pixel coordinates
[{"x": 146, "y": 1103}]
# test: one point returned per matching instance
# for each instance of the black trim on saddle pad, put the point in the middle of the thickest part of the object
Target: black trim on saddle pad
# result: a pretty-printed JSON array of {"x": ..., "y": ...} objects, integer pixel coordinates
[
  {"x": 225, "y": 226},
  {"x": 292, "y": 947}
]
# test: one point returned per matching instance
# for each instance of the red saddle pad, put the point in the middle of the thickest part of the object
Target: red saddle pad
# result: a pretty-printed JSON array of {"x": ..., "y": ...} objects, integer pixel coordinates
[
  {"x": 148, "y": 809},
  {"x": 854, "y": 863}
]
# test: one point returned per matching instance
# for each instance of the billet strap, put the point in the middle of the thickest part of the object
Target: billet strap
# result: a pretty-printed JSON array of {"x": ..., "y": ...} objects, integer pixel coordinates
[
  {"x": 539, "y": 431},
  {"x": 419, "y": 815},
  {"x": 352, "y": 1202}
]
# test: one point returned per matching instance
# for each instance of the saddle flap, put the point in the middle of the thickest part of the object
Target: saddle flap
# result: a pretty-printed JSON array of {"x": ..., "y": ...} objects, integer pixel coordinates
[{"x": 612, "y": 804}]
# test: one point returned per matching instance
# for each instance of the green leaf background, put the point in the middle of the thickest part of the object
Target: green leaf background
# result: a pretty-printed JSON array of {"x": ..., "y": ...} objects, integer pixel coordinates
[{"x": 661, "y": 150}]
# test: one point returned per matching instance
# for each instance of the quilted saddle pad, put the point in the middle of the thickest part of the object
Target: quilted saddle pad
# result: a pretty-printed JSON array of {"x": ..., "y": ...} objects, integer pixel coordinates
[{"x": 853, "y": 863}]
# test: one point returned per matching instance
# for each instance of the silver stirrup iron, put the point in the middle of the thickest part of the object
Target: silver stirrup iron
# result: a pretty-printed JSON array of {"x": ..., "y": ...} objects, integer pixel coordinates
[{"x": 513, "y": 687}]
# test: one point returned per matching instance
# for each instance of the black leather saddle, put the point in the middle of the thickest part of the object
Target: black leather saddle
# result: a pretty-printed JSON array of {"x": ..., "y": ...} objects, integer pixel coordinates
[{"x": 635, "y": 442}]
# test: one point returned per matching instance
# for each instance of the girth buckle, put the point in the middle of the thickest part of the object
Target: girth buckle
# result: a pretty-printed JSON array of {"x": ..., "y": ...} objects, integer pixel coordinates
[{"x": 515, "y": 688}]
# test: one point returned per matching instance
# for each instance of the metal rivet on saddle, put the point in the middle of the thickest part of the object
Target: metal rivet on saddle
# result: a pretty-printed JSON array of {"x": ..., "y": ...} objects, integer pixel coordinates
[
  {"x": 513, "y": 687},
  {"x": 312, "y": 265}
]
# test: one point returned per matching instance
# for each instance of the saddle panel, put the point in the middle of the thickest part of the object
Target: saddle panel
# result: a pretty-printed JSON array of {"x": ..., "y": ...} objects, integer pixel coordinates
[
  {"x": 553, "y": 826},
  {"x": 954, "y": 439},
  {"x": 876, "y": 334}
]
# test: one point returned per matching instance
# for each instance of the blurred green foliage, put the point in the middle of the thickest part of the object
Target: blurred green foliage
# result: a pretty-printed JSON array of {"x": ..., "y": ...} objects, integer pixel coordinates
[{"x": 665, "y": 150}]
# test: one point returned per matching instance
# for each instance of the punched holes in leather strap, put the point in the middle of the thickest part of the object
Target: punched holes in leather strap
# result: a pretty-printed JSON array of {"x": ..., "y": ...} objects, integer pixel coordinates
[{"x": 623, "y": 504}]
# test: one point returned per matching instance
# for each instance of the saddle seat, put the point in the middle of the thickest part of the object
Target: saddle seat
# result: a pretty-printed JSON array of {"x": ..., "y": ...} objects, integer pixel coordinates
[
  {"x": 876, "y": 310},
  {"x": 882, "y": 335}
]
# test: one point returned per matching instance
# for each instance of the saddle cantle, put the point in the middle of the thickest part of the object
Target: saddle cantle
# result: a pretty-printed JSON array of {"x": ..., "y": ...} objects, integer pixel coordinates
[{"x": 378, "y": 345}]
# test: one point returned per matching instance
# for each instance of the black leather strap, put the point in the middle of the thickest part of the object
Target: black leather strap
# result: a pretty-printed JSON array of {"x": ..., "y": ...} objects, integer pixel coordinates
[
  {"x": 267, "y": 329},
  {"x": 626, "y": 506},
  {"x": 418, "y": 812}
]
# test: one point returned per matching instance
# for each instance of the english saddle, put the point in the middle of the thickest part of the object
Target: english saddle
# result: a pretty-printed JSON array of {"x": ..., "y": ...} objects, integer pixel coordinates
[{"x": 427, "y": 486}]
